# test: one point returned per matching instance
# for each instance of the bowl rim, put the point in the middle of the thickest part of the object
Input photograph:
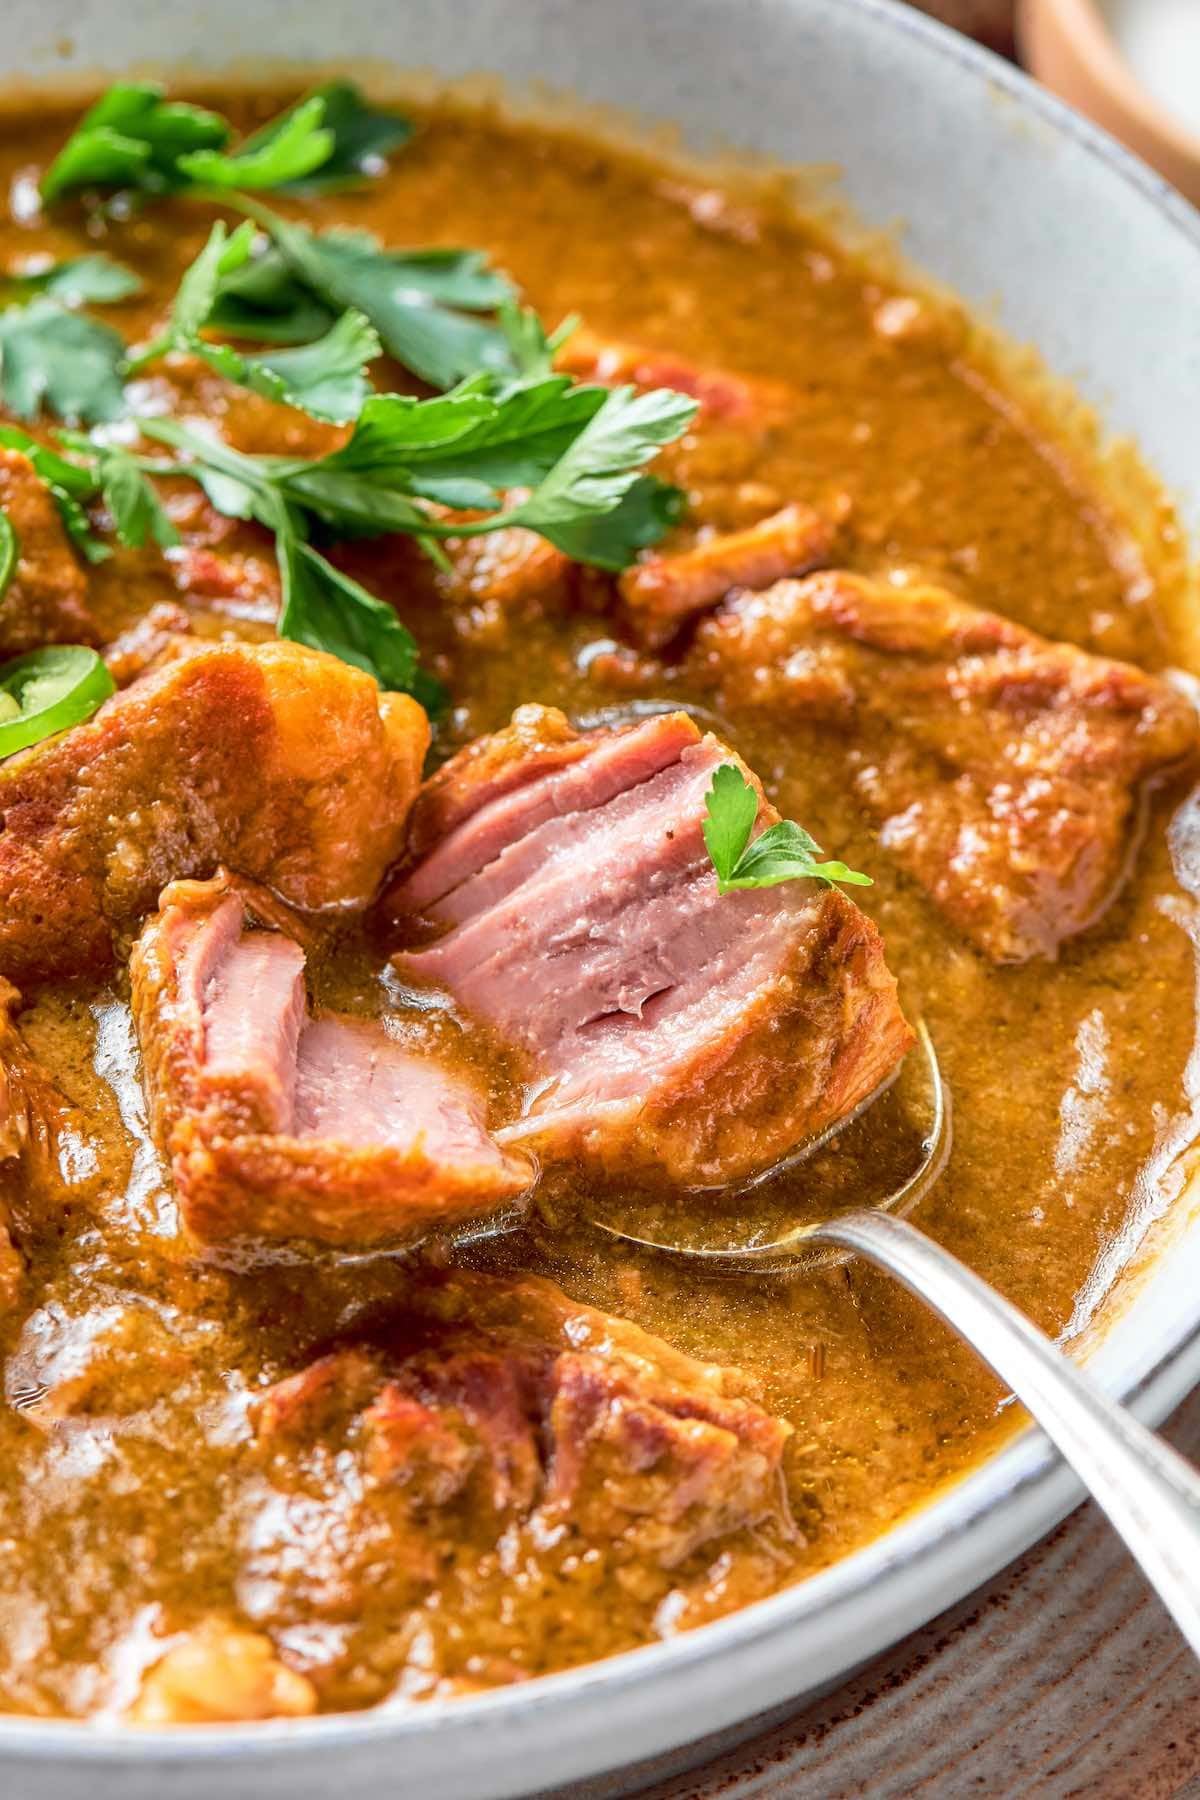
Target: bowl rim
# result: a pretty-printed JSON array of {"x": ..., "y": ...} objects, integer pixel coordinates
[{"x": 1152, "y": 1381}]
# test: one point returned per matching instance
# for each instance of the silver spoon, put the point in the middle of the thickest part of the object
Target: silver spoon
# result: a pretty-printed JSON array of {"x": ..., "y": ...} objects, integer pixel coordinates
[{"x": 1150, "y": 1494}]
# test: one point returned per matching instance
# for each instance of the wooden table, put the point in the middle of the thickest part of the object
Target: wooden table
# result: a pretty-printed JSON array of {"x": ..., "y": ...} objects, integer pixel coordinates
[{"x": 1062, "y": 1680}]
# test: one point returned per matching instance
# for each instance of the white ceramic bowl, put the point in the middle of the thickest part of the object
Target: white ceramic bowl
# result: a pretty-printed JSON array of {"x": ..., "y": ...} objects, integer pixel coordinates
[{"x": 1016, "y": 203}]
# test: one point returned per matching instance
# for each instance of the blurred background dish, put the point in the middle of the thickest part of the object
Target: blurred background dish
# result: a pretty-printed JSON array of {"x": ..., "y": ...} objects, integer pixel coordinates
[{"x": 1131, "y": 65}]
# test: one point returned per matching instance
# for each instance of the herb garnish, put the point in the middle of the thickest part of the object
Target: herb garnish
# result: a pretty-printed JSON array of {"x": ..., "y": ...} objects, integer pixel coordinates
[
  {"x": 325, "y": 379},
  {"x": 783, "y": 852},
  {"x": 135, "y": 139},
  {"x": 425, "y": 304},
  {"x": 77, "y": 282},
  {"x": 580, "y": 451}
]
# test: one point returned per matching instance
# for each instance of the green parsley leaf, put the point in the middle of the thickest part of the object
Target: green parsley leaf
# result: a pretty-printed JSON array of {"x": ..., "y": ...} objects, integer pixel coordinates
[
  {"x": 326, "y": 378},
  {"x": 322, "y": 607},
  {"x": 71, "y": 487},
  {"x": 783, "y": 852},
  {"x": 531, "y": 351},
  {"x": 264, "y": 301},
  {"x": 363, "y": 136},
  {"x": 52, "y": 357},
  {"x": 137, "y": 512},
  {"x": 132, "y": 138},
  {"x": 75, "y": 282},
  {"x": 421, "y": 302},
  {"x": 292, "y": 146},
  {"x": 327, "y": 610},
  {"x": 578, "y": 449}
]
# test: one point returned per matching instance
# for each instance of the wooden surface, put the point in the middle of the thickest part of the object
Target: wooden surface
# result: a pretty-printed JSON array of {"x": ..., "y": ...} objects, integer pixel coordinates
[
  {"x": 991, "y": 21},
  {"x": 1062, "y": 1679}
]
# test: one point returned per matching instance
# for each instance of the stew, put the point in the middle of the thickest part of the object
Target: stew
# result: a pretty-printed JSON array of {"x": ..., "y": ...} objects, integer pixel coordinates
[{"x": 468, "y": 784}]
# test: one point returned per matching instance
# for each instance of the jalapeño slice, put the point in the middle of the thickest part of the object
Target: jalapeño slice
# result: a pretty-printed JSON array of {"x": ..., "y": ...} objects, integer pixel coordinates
[{"x": 47, "y": 691}]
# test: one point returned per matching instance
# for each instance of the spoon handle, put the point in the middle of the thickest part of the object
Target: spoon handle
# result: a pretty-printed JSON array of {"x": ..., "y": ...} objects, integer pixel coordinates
[{"x": 1151, "y": 1495}]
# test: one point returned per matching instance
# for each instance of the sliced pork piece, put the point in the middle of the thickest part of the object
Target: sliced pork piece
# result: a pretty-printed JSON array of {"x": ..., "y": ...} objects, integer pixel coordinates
[
  {"x": 663, "y": 591},
  {"x": 665, "y": 1023},
  {"x": 45, "y": 601},
  {"x": 281, "y": 1126},
  {"x": 494, "y": 1424},
  {"x": 1004, "y": 769},
  {"x": 282, "y": 762}
]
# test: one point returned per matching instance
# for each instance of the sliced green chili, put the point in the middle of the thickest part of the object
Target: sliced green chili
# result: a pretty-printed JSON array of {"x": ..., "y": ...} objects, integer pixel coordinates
[
  {"x": 10, "y": 550},
  {"x": 47, "y": 691}
]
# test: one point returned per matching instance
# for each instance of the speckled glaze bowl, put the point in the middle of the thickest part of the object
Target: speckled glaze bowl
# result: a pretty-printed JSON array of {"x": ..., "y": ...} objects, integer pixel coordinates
[{"x": 1023, "y": 208}]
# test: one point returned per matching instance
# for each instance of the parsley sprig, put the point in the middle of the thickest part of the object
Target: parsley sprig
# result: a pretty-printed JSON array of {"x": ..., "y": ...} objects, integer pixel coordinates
[
  {"x": 325, "y": 378},
  {"x": 783, "y": 852},
  {"x": 579, "y": 450},
  {"x": 135, "y": 139}
]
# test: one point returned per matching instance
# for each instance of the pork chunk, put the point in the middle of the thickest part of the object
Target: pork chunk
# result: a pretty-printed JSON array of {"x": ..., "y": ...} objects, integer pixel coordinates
[
  {"x": 664, "y": 1023},
  {"x": 281, "y": 1126},
  {"x": 663, "y": 591},
  {"x": 1004, "y": 769},
  {"x": 282, "y": 762},
  {"x": 46, "y": 599},
  {"x": 492, "y": 1425}
]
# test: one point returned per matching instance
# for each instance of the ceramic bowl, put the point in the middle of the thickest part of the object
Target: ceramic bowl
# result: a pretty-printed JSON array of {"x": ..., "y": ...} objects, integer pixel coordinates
[{"x": 1023, "y": 208}]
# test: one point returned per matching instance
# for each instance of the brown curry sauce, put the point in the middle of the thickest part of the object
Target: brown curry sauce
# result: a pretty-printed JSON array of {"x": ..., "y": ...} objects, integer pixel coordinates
[{"x": 122, "y": 1517}]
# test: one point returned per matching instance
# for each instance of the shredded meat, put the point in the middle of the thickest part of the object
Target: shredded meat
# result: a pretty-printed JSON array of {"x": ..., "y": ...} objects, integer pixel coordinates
[
  {"x": 1004, "y": 769},
  {"x": 284, "y": 763},
  {"x": 492, "y": 1415}
]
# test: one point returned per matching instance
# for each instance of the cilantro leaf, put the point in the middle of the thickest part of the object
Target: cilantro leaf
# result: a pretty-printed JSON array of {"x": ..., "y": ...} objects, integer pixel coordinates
[
  {"x": 363, "y": 136},
  {"x": 530, "y": 349},
  {"x": 197, "y": 292},
  {"x": 135, "y": 138},
  {"x": 75, "y": 282},
  {"x": 579, "y": 450},
  {"x": 421, "y": 302},
  {"x": 292, "y": 146},
  {"x": 137, "y": 512},
  {"x": 732, "y": 806},
  {"x": 264, "y": 301},
  {"x": 327, "y": 610},
  {"x": 783, "y": 852},
  {"x": 325, "y": 378},
  {"x": 593, "y": 503},
  {"x": 52, "y": 357},
  {"x": 71, "y": 487},
  {"x": 322, "y": 607},
  {"x": 132, "y": 138}
]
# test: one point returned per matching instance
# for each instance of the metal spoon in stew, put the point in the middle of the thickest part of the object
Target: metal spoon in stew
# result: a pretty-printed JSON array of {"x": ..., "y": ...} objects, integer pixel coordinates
[{"x": 1150, "y": 1494}]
